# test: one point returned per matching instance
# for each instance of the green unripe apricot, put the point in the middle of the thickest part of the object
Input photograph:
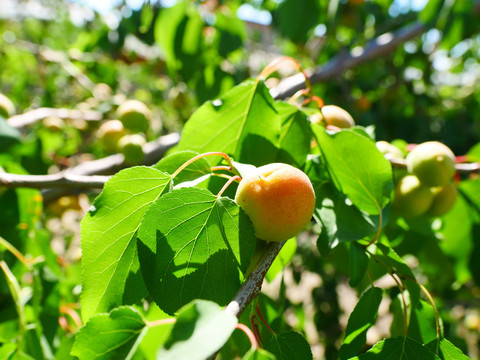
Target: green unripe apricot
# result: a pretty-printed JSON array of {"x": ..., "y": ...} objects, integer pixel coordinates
[
  {"x": 134, "y": 115},
  {"x": 390, "y": 151},
  {"x": 412, "y": 198},
  {"x": 110, "y": 133},
  {"x": 432, "y": 162},
  {"x": 279, "y": 200},
  {"x": 333, "y": 115},
  {"x": 7, "y": 108},
  {"x": 443, "y": 199},
  {"x": 131, "y": 146}
]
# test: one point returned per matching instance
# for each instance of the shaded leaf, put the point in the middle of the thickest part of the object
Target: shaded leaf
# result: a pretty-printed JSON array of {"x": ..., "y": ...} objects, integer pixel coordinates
[
  {"x": 290, "y": 346},
  {"x": 361, "y": 319},
  {"x": 358, "y": 264},
  {"x": 446, "y": 350},
  {"x": 110, "y": 336},
  {"x": 194, "y": 245},
  {"x": 201, "y": 329},
  {"x": 357, "y": 167},
  {"x": 258, "y": 354},
  {"x": 401, "y": 348},
  {"x": 108, "y": 238}
]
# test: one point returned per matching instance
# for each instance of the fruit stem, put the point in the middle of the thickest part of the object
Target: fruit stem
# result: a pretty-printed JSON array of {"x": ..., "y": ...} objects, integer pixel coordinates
[
  {"x": 263, "y": 320},
  {"x": 316, "y": 99},
  {"x": 227, "y": 184},
  {"x": 256, "y": 332},
  {"x": 249, "y": 333},
  {"x": 298, "y": 94},
  {"x": 15, "y": 252},
  {"x": 284, "y": 61},
  {"x": 195, "y": 158},
  {"x": 220, "y": 167},
  {"x": 65, "y": 309},
  {"x": 380, "y": 224}
]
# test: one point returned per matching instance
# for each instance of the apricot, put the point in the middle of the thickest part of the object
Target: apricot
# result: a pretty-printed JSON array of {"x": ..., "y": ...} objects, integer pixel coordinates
[
  {"x": 432, "y": 162},
  {"x": 279, "y": 200},
  {"x": 412, "y": 198},
  {"x": 443, "y": 199},
  {"x": 109, "y": 133},
  {"x": 53, "y": 123},
  {"x": 390, "y": 151},
  {"x": 333, "y": 115},
  {"x": 131, "y": 146},
  {"x": 134, "y": 115},
  {"x": 7, "y": 108}
]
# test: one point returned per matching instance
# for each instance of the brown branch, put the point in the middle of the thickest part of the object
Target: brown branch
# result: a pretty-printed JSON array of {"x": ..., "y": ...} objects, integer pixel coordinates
[
  {"x": 377, "y": 47},
  {"x": 30, "y": 117},
  {"x": 153, "y": 150},
  {"x": 252, "y": 286},
  {"x": 59, "y": 180}
]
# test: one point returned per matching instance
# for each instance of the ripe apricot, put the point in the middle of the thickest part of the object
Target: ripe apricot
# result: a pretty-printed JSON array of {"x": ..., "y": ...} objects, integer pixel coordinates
[
  {"x": 134, "y": 115},
  {"x": 432, "y": 162},
  {"x": 443, "y": 199},
  {"x": 390, "y": 151},
  {"x": 131, "y": 146},
  {"x": 412, "y": 198},
  {"x": 279, "y": 200}
]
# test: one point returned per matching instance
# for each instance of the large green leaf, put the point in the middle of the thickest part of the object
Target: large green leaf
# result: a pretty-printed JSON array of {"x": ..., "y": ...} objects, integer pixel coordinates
[
  {"x": 357, "y": 167},
  {"x": 290, "y": 346},
  {"x": 110, "y": 263},
  {"x": 194, "y": 245},
  {"x": 398, "y": 348},
  {"x": 110, "y": 336},
  {"x": 195, "y": 170},
  {"x": 295, "y": 137},
  {"x": 202, "y": 328},
  {"x": 243, "y": 123},
  {"x": 361, "y": 319}
]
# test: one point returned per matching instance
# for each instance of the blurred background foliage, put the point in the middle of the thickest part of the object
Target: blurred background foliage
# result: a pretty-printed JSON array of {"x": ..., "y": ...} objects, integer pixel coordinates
[{"x": 174, "y": 55}]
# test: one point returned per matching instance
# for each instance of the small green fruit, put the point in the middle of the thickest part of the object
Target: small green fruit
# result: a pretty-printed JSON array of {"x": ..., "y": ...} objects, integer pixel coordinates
[
  {"x": 443, "y": 199},
  {"x": 412, "y": 198},
  {"x": 432, "y": 162},
  {"x": 7, "y": 108},
  {"x": 134, "y": 115},
  {"x": 131, "y": 146},
  {"x": 279, "y": 200},
  {"x": 109, "y": 133},
  {"x": 390, "y": 151},
  {"x": 53, "y": 123},
  {"x": 333, "y": 115}
]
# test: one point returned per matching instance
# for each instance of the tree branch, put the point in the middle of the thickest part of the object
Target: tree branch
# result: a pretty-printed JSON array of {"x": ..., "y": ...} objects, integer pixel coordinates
[
  {"x": 30, "y": 117},
  {"x": 252, "y": 286},
  {"x": 377, "y": 47},
  {"x": 59, "y": 180}
]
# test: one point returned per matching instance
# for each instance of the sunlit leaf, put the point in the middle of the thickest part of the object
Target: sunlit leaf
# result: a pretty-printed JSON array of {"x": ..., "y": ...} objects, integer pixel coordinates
[
  {"x": 110, "y": 263},
  {"x": 290, "y": 346},
  {"x": 194, "y": 245},
  {"x": 398, "y": 348}
]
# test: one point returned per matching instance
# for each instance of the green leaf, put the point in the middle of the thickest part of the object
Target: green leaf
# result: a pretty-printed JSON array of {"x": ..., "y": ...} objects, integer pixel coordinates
[
  {"x": 295, "y": 136},
  {"x": 422, "y": 325},
  {"x": 290, "y": 346},
  {"x": 358, "y": 264},
  {"x": 431, "y": 11},
  {"x": 195, "y": 170},
  {"x": 243, "y": 123},
  {"x": 341, "y": 220},
  {"x": 110, "y": 269},
  {"x": 281, "y": 260},
  {"x": 8, "y": 135},
  {"x": 110, "y": 336},
  {"x": 446, "y": 350},
  {"x": 258, "y": 354},
  {"x": 474, "y": 153},
  {"x": 202, "y": 328},
  {"x": 296, "y": 18},
  {"x": 393, "y": 260},
  {"x": 361, "y": 319},
  {"x": 401, "y": 348},
  {"x": 194, "y": 245},
  {"x": 358, "y": 168}
]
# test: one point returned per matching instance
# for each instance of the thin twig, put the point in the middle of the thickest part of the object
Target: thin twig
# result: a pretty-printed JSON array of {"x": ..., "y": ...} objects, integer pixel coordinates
[
  {"x": 59, "y": 180},
  {"x": 32, "y": 116},
  {"x": 380, "y": 46}
]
